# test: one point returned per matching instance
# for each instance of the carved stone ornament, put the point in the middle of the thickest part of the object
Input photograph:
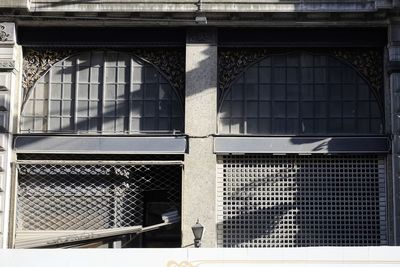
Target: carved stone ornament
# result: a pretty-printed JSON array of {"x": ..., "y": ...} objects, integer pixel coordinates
[
  {"x": 3, "y": 34},
  {"x": 169, "y": 61},
  {"x": 6, "y": 65},
  {"x": 234, "y": 61},
  {"x": 37, "y": 62},
  {"x": 368, "y": 62}
]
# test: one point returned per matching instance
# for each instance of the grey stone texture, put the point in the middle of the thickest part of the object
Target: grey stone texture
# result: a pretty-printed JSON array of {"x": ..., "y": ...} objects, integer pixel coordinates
[
  {"x": 14, "y": 3},
  {"x": 394, "y": 84},
  {"x": 10, "y": 54},
  {"x": 199, "y": 182}
]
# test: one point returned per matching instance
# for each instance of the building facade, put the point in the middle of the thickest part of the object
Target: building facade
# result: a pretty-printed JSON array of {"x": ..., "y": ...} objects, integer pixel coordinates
[{"x": 273, "y": 123}]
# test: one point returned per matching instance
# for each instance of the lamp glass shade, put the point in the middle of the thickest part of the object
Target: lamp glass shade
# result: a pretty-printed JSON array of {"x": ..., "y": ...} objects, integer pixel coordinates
[{"x": 198, "y": 230}]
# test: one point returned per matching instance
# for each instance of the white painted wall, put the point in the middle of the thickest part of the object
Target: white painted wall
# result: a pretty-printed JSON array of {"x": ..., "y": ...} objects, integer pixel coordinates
[{"x": 273, "y": 257}]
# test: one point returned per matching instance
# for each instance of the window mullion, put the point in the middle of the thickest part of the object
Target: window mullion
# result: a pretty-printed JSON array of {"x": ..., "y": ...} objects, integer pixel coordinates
[
  {"x": 130, "y": 79},
  {"x": 103, "y": 85},
  {"x": 47, "y": 120},
  {"x": 76, "y": 95}
]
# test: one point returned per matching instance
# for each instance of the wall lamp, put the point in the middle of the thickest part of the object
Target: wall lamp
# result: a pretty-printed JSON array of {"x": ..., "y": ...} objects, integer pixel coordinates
[
  {"x": 198, "y": 231},
  {"x": 200, "y": 19}
]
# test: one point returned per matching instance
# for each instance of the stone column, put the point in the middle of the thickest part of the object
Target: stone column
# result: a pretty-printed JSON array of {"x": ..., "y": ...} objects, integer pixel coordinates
[
  {"x": 393, "y": 68},
  {"x": 199, "y": 181},
  {"x": 10, "y": 64}
]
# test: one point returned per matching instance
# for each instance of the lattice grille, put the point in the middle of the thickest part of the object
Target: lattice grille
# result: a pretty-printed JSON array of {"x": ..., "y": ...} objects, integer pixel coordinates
[
  {"x": 297, "y": 201},
  {"x": 82, "y": 196}
]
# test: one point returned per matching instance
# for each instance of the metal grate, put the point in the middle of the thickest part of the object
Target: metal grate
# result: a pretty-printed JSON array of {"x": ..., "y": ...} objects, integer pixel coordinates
[
  {"x": 81, "y": 195},
  {"x": 297, "y": 201}
]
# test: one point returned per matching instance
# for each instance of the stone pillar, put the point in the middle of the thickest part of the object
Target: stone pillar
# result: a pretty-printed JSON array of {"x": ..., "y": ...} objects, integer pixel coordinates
[
  {"x": 10, "y": 64},
  {"x": 199, "y": 181},
  {"x": 393, "y": 68}
]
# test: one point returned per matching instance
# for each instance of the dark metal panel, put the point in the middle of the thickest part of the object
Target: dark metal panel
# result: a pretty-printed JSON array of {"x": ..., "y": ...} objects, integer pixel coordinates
[
  {"x": 304, "y": 37},
  {"x": 300, "y": 145},
  {"x": 101, "y": 145},
  {"x": 95, "y": 36}
]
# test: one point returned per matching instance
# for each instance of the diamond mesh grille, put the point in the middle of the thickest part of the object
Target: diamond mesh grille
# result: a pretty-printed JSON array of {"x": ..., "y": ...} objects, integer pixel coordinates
[
  {"x": 90, "y": 195},
  {"x": 297, "y": 201}
]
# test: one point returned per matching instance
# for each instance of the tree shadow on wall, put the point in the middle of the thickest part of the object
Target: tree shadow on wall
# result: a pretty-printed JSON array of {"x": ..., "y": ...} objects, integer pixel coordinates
[
  {"x": 137, "y": 108},
  {"x": 300, "y": 203}
]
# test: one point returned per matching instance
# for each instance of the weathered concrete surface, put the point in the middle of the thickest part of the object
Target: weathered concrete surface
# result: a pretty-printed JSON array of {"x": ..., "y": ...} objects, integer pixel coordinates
[{"x": 199, "y": 182}]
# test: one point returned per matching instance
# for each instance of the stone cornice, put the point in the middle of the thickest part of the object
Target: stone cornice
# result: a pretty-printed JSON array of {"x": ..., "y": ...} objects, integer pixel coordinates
[{"x": 206, "y": 5}]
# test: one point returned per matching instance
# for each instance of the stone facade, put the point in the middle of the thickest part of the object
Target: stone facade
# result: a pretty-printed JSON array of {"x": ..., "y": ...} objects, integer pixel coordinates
[
  {"x": 209, "y": 68},
  {"x": 10, "y": 62}
]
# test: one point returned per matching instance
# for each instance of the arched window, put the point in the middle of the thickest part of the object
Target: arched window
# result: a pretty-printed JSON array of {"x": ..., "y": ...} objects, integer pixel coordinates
[
  {"x": 300, "y": 94},
  {"x": 102, "y": 92}
]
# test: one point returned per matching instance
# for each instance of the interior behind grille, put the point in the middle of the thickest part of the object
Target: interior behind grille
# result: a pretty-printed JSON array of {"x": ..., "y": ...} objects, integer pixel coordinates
[
  {"x": 297, "y": 201},
  {"x": 81, "y": 196}
]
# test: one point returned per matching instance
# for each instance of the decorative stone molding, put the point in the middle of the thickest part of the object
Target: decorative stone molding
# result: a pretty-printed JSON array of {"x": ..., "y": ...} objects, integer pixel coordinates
[
  {"x": 366, "y": 61},
  {"x": 169, "y": 61},
  {"x": 233, "y": 61},
  {"x": 37, "y": 62},
  {"x": 3, "y": 34},
  {"x": 6, "y": 65},
  {"x": 7, "y": 33}
]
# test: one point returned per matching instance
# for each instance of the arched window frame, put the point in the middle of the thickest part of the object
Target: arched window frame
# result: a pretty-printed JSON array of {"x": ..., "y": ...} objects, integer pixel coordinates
[
  {"x": 377, "y": 96},
  {"x": 136, "y": 58}
]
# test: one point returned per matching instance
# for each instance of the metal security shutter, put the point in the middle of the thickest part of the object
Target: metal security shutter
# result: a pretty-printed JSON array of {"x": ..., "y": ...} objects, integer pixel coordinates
[
  {"x": 297, "y": 201},
  {"x": 91, "y": 194}
]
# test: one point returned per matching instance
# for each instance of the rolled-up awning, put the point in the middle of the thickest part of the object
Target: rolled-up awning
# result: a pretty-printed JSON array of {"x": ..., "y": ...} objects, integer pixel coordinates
[
  {"x": 300, "y": 145},
  {"x": 101, "y": 144}
]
